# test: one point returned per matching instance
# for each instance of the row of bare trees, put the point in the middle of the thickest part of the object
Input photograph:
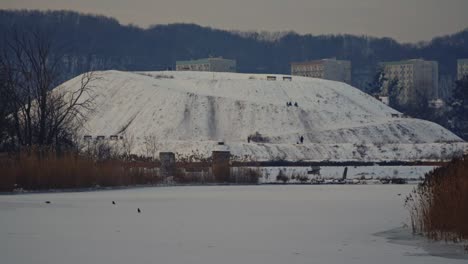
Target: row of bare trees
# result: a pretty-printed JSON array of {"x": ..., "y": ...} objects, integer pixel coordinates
[{"x": 32, "y": 112}]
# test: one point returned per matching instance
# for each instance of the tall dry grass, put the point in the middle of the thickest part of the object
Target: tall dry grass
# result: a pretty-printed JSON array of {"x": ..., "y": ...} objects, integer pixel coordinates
[
  {"x": 439, "y": 206},
  {"x": 46, "y": 170},
  {"x": 31, "y": 170},
  {"x": 206, "y": 176}
]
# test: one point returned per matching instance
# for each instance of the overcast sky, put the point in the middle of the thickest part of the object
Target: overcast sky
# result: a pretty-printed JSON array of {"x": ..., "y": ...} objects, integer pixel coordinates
[{"x": 404, "y": 20}]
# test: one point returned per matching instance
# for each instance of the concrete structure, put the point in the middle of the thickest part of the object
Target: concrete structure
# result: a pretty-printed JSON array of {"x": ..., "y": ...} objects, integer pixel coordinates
[
  {"x": 168, "y": 164},
  {"x": 221, "y": 165},
  {"x": 328, "y": 69},
  {"x": 384, "y": 99},
  {"x": 415, "y": 77},
  {"x": 462, "y": 68},
  {"x": 208, "y": 64}
]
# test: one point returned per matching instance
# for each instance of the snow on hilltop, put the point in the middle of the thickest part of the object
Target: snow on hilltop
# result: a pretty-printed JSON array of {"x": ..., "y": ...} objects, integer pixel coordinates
[{"x": 191, "y": 111}]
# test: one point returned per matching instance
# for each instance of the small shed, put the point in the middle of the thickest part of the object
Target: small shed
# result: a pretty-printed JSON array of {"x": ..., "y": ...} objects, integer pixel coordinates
[{"x": 168, "y": 164}]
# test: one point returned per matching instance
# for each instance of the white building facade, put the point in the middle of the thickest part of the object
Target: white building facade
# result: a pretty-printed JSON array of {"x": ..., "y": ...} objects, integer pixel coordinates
[
  {"x": 208, "y": 64},
  {"x": 328, "y": 69},
  {"x": 415, "y": 77}
]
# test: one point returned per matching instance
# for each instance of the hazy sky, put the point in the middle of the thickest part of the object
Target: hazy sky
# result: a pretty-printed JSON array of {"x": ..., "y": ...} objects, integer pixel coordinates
[{"x": 404, "y": 20}]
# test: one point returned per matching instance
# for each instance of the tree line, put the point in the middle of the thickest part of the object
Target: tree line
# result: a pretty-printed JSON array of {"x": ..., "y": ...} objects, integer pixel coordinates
[
  {"x": 33, "y": 64},
  {"x": 453, "y": 115},
  {"x": 102, "y": 43}
]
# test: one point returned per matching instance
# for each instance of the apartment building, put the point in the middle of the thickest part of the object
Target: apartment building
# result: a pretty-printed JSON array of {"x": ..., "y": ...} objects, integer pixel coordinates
[
  {"x": 207, "y": 64},
  {"x": 328, "y": 69},
  {"x": 415, "y": 77}
]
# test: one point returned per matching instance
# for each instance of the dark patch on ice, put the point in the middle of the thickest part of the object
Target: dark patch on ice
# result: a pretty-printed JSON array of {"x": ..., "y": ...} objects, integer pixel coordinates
[
  {"x": 13, "y": 205},
  {"x": 404, "y": 236}
]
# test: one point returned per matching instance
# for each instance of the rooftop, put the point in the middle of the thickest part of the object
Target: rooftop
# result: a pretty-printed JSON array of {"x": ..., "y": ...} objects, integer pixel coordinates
[
  {"x": 402, "y": 62},
  {"x": 316, "y": 61},
  {"x": 201, "y": 61}
]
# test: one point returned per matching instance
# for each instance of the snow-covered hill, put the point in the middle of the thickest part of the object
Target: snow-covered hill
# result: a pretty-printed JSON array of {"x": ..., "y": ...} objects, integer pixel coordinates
[{"x": 191, "y": 111}]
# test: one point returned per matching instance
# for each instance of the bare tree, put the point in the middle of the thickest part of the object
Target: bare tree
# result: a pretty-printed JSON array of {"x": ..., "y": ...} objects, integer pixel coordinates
[
  {"x": 68, "y": 109},
  {"x": 127, "y": 145},
  {"x": 5, "y": 124},
  {"x": 30, "y": 68},
  {"x": 151, "y": 145}
]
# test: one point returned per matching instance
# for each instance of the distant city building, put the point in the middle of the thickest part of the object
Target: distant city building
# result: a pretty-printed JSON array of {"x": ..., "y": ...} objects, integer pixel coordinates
[
  {"x": 436, "y": 103},
  {"x": 462, "y": 68},
  {"x": 415, "y": 78},
  {"x": 328, "y": 69},
  {"x": 208, "y": 64}
]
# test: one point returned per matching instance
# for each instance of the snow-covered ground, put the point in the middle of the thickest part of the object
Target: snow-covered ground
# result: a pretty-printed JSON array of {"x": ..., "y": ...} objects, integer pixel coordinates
[
  {"x": 219, "y": 224},
  {"x": 189, "y": 112},
  {"x": 354, "y": 172}
]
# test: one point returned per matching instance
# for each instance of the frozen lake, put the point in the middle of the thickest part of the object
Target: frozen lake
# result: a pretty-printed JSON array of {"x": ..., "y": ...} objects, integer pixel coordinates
[{"x": 209, "y": 225}]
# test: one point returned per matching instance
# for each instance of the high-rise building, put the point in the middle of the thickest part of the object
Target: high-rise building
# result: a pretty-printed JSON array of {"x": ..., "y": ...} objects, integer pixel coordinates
[
  {"x": 462, "y": 68},
  {"x": 415, "y": 77},
  {"x": 329, "y": 69},
  {"x": 208, "y": 64}
]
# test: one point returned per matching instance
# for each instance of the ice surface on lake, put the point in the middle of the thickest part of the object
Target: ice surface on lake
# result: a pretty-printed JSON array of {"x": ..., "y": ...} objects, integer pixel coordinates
[{"x": 219, "y": 225}]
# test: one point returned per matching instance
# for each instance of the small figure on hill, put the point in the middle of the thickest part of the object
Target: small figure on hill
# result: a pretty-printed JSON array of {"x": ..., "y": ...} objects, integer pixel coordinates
[
  {"x": 301, "y": 139},
  {"x": 295, "y": 104},
  {"x": 248, "y": 139}
]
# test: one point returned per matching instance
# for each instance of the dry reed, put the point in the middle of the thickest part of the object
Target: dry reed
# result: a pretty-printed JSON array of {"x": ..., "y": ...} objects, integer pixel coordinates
[
  {"x": 30, "y": 170},
  {"x": 439, "y": 206}
]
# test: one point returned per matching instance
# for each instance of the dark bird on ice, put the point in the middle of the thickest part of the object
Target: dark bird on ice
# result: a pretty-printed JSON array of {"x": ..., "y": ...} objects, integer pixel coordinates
[
  {"x": 113, "y": 202},
  {"x": 139, "y": 211},
  {"x": 47, "y": 202}
]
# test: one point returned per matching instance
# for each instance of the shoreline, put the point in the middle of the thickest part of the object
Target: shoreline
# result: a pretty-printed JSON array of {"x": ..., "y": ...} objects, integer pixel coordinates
[
  {"x": 117, "y": 188},
  {"x": 443, "y": 249}
]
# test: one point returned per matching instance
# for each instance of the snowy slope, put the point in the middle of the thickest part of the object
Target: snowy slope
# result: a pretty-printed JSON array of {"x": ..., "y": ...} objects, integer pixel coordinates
[{"x": 191, "y": 111}]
